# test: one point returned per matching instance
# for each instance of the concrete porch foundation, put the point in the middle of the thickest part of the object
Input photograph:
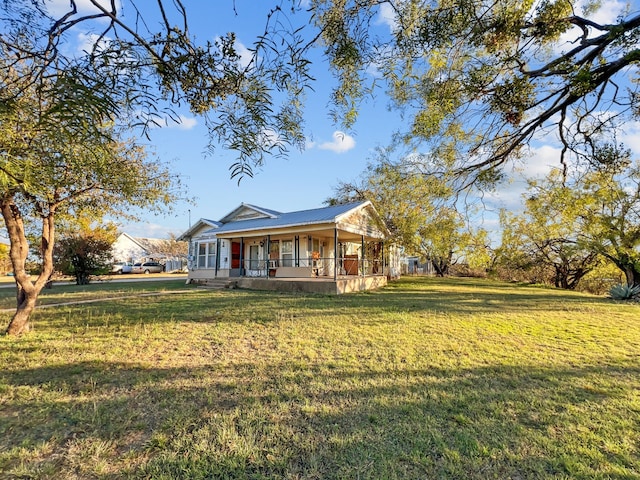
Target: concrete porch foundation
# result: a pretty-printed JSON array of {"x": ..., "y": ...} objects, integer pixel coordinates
[{"x": 315, "y": 285}]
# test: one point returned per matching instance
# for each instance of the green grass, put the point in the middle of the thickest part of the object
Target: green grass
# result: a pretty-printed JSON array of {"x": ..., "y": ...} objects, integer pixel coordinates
[
  {"x": 64, "y": 293},
  {"x": 426, "y": 378}
]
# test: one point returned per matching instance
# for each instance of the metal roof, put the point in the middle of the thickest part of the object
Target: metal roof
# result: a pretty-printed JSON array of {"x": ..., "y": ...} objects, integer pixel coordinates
[
  {"x": 203, "y": 221},
  {"x": 291, "y": 219}
]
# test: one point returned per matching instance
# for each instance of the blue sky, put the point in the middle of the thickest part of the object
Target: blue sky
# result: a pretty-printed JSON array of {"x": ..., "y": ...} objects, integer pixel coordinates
[{"x": 305, "y": 179}]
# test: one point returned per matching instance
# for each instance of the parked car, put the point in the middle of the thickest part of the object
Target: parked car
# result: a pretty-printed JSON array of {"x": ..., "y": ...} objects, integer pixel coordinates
[
  {"x": 147, "y": 267},
  {"x": 121, "y": 267}
]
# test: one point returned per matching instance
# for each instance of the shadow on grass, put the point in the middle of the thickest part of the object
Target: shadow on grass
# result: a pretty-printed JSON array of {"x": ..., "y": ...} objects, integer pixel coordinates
[
  {"x": 409, "y": 295},
  {"x": 65, "y": 293},
  {"x": 242, "y": 306},
  {"x": 293, "y": 420}
]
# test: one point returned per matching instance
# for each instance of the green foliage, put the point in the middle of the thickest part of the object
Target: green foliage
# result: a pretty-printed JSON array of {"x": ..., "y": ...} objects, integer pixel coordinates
[
  {"x": 552, "y": 19},
  {"x": 546, "y": 240},
  {"x": 419, "y": 209},
  {"x": 489, "y": 76},
  {"x": 609, "y": 199},
  {"x": 85, "y": 251},
  {"x": 152, "y": 62},
  {"x": 62, "y": 156},
  {"x": 574, "y": 218},
  {"x": 624, "y": 292},
  {"x": 5, "y": 261}
]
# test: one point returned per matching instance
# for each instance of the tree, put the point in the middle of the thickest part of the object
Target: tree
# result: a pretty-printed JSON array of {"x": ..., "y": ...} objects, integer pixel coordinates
[
  {"x": 61, "y": 155},
  {"x": 147, "y": 53},
  {"x": 5, "y": 264},
  {"x": 420, "y": 210},
  {"x": 609, "y": 198},
  {"x": 85, "y": 251},
  {"x": 546, "y": 236},
  {"x": 592, "y": 210},
  {"x": 172, "y": 247},
  {"x": 64, "y": 114},
  {"x": 482, "y": 79}
]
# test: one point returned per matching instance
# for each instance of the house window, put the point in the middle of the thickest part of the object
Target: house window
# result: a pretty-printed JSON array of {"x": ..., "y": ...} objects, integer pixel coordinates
[
  {"x": 287, "y": 253},
  {"x": 207, "y": 255},
  {"x": 211, "y": 255},
  {"x": 202, "y": 255}
]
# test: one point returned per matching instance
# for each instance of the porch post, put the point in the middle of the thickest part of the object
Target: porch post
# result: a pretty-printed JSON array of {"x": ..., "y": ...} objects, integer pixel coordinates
[
  {"x": 268, "y": 255},
  {"x": 217, "y": 265},
  {"x": 363, "y": 254},
  {"x": 242, "y": 256},
  {"x": 382, "y": 259},
  {"x": 335, "y": 254},
  {"x": 296, "y": 250}
]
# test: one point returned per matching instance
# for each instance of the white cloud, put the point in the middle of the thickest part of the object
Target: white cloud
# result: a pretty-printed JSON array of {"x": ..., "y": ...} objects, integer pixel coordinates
[
  {"x": 57, "y": 8},
  {"x": 87, "y": 41},
  {"x": 540, "y": 161},
  {"x": 387, "y": 16},
  {"x": 630, "y": 136},
  {"x": 270, "y": 138},
  {"x": 181, "y": 122},
  {"x": 243, "y": 52},
  {"x": 608, "y": 12},
  {"x": 186, "y": 123},
  {"x": 148, "y": 230},
  {"x": 341, "y": 143},
  {"x": 245, "y": 55},
  {"x": 536, "y": 165}
]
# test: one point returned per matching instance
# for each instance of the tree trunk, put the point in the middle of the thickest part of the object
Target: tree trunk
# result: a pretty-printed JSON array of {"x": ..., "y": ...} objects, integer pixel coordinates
[
  {"x": 27, "y": 290},
  {"x": 629, "y": 266},
  {"x": 441, "y": 266},
  {"x": 631, "y": 274},
  {"x": 25, "y": 304}
]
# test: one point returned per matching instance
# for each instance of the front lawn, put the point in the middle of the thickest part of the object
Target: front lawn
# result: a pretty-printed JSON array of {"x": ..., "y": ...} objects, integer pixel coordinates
[{"x": 427, "y": 378}]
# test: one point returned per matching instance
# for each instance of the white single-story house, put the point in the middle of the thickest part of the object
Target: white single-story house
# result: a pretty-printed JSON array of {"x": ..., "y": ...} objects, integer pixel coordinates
[
  {"x": 334, "y": 249},
  {"x": 127, "y": 248}
]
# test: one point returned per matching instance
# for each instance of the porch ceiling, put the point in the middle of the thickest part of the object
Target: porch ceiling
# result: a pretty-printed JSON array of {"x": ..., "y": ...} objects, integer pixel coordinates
[{"x": 314, "y": 231}]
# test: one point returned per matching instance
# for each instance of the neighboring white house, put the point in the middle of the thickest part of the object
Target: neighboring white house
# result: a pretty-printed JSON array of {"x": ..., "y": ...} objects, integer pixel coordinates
[
  {"x": 255, "y": 246},
  {"x": 138, "y": 249}
]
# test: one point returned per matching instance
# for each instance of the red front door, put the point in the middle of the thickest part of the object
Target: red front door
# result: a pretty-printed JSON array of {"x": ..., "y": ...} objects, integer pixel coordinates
[{"x": 235, "y": 254}]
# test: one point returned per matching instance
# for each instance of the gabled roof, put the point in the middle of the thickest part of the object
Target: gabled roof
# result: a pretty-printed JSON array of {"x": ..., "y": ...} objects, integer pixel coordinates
[
  {"x": 331, "y": 214},
  {"x": 131, "y": 239},
  {"x": 203, "y": 222},
  {"x": 248, "y": 211}
]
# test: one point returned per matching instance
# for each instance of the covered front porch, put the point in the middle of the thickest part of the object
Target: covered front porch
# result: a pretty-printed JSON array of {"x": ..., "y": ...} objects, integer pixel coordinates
[
  {"x": 313, "y": 255},
  {"x": 322, "y": 261}
]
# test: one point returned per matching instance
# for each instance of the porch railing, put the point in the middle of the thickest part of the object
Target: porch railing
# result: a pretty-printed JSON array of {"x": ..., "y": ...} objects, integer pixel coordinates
[{"x": 320, "y": 267}]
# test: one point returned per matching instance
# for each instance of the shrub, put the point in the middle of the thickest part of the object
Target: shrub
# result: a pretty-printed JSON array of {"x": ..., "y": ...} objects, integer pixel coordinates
[{"x": 624, "y": 292}]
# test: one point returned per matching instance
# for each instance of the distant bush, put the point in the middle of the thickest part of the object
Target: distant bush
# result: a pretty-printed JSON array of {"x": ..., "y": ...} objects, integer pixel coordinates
[
  {"x": 532, "y": 274},
  {"x": 464, "y": 270},
  {"x": 601, "y": 279}
]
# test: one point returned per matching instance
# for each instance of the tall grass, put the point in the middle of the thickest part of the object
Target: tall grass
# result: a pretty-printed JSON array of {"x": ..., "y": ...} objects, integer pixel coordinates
[{"x": 426, "y": 378}]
